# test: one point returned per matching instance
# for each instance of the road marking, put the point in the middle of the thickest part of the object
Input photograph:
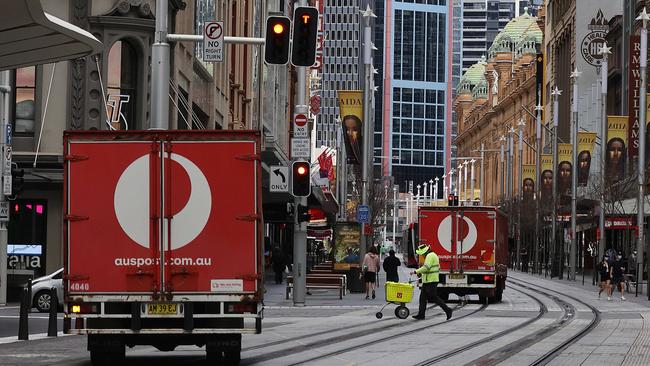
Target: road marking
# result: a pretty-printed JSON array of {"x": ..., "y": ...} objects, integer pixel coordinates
[
  {"x": 342, "y": 307},
  {"x": 32, "y": 337},
  {"x": 9, "y": 307}
]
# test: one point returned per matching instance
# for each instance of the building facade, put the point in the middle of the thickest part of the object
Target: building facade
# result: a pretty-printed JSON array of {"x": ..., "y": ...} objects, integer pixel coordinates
[{"x": 70, "y": 96}]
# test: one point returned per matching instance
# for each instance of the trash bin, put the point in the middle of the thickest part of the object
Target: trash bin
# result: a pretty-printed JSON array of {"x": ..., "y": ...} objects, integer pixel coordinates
[{"x": 355, "y": 284}]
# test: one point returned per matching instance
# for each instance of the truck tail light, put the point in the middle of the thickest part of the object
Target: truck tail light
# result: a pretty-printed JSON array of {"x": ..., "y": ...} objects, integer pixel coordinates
[
  {"x": 488, "y": 278},
  {"x": 84, "y": 308},
  {"x": 240, "y": 308}
]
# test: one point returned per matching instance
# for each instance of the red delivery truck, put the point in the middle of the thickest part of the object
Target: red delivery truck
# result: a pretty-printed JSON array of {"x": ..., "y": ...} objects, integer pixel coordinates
[
  {"x": 162, "y": 240},
  {"x": 472, "y": 244}
]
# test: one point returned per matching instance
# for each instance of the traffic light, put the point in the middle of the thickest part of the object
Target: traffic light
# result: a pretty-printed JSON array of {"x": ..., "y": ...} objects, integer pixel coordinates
[
  {"x": 452, "y": 200},
  {"x": 303, "y": 213},
  {"x": 305, "y": 32},
  {"x": 17, "y": 181},
  {"x": 300, "y": 179},
  {"x": 276, "y": 48}
]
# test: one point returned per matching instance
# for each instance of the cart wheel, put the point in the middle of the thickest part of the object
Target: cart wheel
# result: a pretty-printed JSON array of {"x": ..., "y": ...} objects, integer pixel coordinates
[
  {"x": 402, "y": 312},
  {"x": 379, "y": 315}
]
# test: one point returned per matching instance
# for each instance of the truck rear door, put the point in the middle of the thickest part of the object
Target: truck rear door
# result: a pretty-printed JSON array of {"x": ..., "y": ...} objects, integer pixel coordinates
[{"x": 111, "y": 200}]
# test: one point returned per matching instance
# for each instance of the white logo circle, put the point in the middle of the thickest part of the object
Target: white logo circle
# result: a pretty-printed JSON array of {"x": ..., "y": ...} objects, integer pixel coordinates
[
  {"x": 444, "y": 235},
  {"x": 131, "y": 203}
]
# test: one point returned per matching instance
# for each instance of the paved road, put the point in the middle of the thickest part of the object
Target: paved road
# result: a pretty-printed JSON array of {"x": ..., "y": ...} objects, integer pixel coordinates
[
  {"x": 536, "y": 317},
  {"x": 9, "y": 323}
]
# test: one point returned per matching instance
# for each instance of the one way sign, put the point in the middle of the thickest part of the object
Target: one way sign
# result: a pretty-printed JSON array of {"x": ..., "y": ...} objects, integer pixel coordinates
[{"x": 279, "y": 181}]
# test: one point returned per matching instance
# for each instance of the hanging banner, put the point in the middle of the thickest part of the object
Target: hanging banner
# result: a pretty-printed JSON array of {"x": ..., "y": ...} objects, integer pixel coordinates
[
  {"x": 564, "y": 168},
  {"x": 634, "y": 99},
  {"x": 616, "y": 158},
  {"x": 351, "y": 111},
  {"x": 585, "y": 149},
  {"x": 546, "y": 177},
  {"x": 528, "y": 181}
]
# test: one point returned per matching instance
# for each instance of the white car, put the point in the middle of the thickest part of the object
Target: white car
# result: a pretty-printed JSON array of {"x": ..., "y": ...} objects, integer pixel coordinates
[{"x": 41, "y": 289}]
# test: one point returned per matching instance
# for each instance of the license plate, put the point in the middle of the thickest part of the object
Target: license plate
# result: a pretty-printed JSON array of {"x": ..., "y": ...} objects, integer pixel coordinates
[
  {"x": 456, "y": 279},
  {"x": 456, "y": 276},
  {"x": 162, "y": 309}
]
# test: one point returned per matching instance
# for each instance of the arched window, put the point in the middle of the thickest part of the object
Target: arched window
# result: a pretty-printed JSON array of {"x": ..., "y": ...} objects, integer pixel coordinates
[{"x": 122, "y": 86}]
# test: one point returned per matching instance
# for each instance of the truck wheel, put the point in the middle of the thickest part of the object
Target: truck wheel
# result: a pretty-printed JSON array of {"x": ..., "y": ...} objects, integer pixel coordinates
[
  {"x": 214, "y": 357},
  {"x": 232, "y": 358}
]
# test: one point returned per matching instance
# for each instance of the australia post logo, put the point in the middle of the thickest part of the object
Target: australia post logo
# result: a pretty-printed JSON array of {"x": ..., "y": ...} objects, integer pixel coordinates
[
  {"x": 132, "y": 204},
  {"x": 466, "y": 232}
]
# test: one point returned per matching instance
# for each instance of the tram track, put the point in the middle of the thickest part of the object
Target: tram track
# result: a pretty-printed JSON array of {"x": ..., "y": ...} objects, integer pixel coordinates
[{"x": 375, "y": 342}]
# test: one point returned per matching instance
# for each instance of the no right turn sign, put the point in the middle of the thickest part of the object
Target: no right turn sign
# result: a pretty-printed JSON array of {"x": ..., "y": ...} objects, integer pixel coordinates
[{"x": 213, "y": 42}]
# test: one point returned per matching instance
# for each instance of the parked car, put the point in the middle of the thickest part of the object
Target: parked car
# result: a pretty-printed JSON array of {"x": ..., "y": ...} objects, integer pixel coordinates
[{"x": 41, "y": 287}]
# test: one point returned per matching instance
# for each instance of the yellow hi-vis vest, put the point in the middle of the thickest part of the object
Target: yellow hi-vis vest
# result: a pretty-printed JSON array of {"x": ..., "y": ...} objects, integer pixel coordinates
[{"x": 430, "y": 270}]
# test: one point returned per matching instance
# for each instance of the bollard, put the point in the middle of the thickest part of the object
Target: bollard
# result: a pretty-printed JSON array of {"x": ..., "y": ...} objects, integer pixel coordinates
[
  {"x": 54, "y": 307},
  {"x": 23, "y": 328},
  {"x": 29, "y": 296}
]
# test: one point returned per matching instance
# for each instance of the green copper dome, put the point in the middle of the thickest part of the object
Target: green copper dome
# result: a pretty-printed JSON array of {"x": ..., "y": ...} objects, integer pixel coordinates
[
  {"x": 474, "y": 75},
  {"x": 521, "y": 28}
]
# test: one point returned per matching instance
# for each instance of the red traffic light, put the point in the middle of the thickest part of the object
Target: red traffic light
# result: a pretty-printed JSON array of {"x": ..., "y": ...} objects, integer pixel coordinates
[
  {"x": 302, "y": 170},
  {"x": 300, "y": 179}
]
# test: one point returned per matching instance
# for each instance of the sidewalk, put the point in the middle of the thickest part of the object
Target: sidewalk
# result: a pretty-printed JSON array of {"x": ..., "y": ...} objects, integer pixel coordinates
[{"x": 275, "y": 294}]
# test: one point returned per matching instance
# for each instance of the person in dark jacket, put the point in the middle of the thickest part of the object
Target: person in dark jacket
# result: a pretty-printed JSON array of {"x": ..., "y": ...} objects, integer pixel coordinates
[
  {"x": 390, "y": 266},
  {"x": 279, "y": 264}
]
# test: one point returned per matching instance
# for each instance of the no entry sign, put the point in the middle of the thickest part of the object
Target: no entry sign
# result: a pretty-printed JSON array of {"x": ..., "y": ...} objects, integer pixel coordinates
[{"x": 300, "y": 126}]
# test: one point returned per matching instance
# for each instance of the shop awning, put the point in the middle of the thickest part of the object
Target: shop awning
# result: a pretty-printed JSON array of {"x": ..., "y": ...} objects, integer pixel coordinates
[{"x": 30, "y": 36}]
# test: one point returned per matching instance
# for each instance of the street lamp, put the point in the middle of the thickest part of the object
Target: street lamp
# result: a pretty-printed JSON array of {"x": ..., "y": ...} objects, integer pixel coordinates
[
  {"x": 556, "y": 111},
  {"x": 417, "y": 197},
  {"x": 571, "y": 275},
  {"x": 394, "y": 213},
  {"x": 521, "y": 124},
  {"x": 502, "y": 139},
  {"x": 426, "y": 193},
  {"x": 471, "y": 180},
  {"x": 435, "y": 190}
]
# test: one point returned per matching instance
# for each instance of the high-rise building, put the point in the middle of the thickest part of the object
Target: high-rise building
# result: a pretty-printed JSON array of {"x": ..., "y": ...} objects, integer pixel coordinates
[
  {"x": 341, "y": 67},
  {"x": 482, "y": 20},
  {"x": 412, "y": 136}
]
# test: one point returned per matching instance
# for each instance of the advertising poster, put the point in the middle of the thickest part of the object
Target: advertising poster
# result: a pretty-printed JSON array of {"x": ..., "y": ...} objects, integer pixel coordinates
[
  {"x": 617, "y": 143},
  {"x": 585, "y": 150},
  {"x": 346, "y": 245},
  {"x": 528, "y": 182},
  {"x": 564, "y": 168},
  {"x": 546, "y": 178},
  {"x": 351, "y": 110}
]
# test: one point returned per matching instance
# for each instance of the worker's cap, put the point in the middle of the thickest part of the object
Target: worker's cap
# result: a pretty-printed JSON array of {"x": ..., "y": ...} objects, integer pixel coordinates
[{"x": 422, "y": 249}]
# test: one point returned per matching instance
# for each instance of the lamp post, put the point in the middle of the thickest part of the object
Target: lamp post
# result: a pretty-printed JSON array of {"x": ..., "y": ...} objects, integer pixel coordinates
[
  {"x": 556, "y": 95},
  {"x": 640, "y": 246},
  {"x": 426, "y": 193},
  {"x": 394, "y": 214},
  {"x": 521, "y": 124},
  {"x": 459, "y": 185},
  {"x": 503, "y": 165},
  {"x": 451, "y": 181},
  {"x": 385, "y": 210},
  {"x": 574, "y": 179},
  {"x": 431, "y": 194},
  {"x": 538, "y": 174},
  {"x": 465, "y": 168},
  {"x": 444, "y": 186},
  {"x": 417, "y": 197},
  {"x": 435, "y": 191},
  {"x": 471, "y": 180},
  {"x": 605, "y": 51}
]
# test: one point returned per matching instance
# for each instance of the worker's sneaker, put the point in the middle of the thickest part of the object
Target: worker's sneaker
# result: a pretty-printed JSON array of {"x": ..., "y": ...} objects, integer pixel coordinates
[
  {"x": 622, "y": 298},
  {"x": 449, "y": 314},
  {"x": 609, "y": 298},
  {"x": 373, "y": 294},
  {"x": 418, "y": 317}
]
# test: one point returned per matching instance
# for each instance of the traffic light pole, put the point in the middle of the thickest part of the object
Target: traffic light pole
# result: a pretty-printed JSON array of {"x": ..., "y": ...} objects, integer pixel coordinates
[
  {"x": 366, "y": 172},
  {"x": 5, "y": 94},
  {"x": 300, "y": 228}
]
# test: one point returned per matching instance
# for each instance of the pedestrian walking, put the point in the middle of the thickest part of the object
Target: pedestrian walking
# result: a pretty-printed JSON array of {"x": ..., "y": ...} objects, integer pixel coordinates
[
  {"x": 430, "y": 273},
  {"x": 390, "y": 266},
  {"x": 279, "y": 264},
  {"x": 603, "y": 271},
  {"x": 617, "y": 273},
  {"x": 370, "y": 269}
]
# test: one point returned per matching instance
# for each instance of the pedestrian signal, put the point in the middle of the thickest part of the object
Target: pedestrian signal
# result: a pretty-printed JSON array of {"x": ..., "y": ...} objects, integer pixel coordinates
[
  {"x": 300, "y": 179},
  {"x": 276, "y": 48},
  {"x": 305, "y": 32},
  {"x": 303, "y": 214}
]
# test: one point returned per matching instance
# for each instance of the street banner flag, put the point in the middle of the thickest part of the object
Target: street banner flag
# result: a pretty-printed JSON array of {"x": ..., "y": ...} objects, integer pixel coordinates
[
  {"x": 617, "y": 143},
  {"x": 351, "y": 111},
  {"x": 528, "y": 181},
  {"x": 585, "y": 150},
  {"x": 546, "y": 178},
  {"x": 564, "y": 168}
]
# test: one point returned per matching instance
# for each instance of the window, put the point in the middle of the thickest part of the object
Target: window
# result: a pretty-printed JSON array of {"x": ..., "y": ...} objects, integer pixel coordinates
[
  {"x": 25, "y": 106},
  {"x": 122, "y": 86}
]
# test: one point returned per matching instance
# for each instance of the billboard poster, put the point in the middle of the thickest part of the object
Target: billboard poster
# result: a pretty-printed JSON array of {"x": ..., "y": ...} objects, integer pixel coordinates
[
  {"x": 351, "y": 110},
  {"x": 347, "y": 242},
  {"x": 617, "y": 143},
  {"x": 528, "y": 181},
  {"x": 546, "y": 177},
  {"x": 564, "y": 168},
  {"x": 585, "y": 150}
]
